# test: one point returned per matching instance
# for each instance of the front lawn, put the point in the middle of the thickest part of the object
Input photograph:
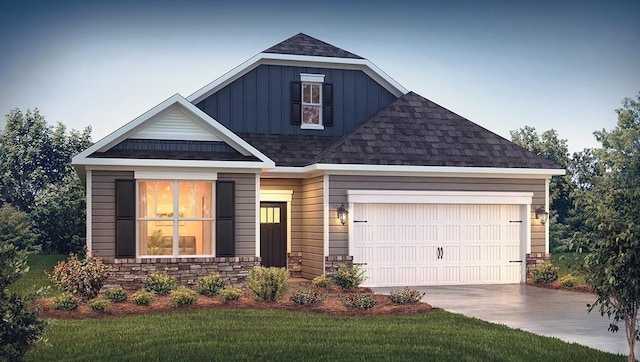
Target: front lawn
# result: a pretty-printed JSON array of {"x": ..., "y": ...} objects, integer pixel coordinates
[
  {"x": 234, "y": 334},
  {"x": 38, "y": 263}
]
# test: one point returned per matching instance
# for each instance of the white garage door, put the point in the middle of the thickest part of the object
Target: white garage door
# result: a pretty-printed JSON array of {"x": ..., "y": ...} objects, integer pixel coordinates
[{"x": 431, "y": 244}]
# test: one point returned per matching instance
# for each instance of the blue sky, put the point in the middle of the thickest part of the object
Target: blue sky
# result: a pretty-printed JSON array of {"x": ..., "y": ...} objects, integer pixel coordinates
[{"x": 502, "y": 64}]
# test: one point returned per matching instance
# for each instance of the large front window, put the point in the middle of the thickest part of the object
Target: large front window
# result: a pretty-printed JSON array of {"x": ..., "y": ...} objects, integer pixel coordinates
[{"x": 175, "y": 218}]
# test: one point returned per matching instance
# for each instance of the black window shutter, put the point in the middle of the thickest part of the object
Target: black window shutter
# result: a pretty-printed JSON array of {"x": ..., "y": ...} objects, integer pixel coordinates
[
  {"x": 125, "y": 219},
  {"x": 327, "y": 104},
  {"x": 225, "y": 218},
  {"x": 296, "y": 103}
]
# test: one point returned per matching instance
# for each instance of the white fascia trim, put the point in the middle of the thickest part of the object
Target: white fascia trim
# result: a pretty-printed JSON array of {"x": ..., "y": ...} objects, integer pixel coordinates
[
  {"x": 393, "y": 170},
  {"x": 439, "y": 197},
  {"x": 175, "y": 175},
  {"x": 214, "y": 126},
  {"x": 309, "y": 61},
  {"x": 99, "y": 163}
]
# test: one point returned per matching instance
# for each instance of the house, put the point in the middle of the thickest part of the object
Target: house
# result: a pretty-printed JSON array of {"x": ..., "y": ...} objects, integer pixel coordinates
[{"x": 307, "y": 156}]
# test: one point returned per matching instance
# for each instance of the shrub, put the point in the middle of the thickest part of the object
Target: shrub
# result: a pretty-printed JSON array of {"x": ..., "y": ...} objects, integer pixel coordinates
[
  {"x": 230, "y": 293},
  {"x": 65, "y": 301},
  {"x": 568, "y": 281},
  {"x": 142, "y": 297},
  {"x": 20, "y": 326},
  {"x": 406, "y": 296},
  {"x": 211, "y": 284},
  {"x": 268, "y": 284},
  {"x": 545, "y": 273},
  {"x": 183, "y": 296},
  {"x": 321, "y": 281},
  {"x": 100, "y": 304},
  {"x": 116, "y": 294},
  {"x": 359, "y": 301},
  {"x": 81, "y": 277},
  {"x": 349, "y": 277},
  {"x": 307, "y": 297},
  {"x": 159, "y": 283}
]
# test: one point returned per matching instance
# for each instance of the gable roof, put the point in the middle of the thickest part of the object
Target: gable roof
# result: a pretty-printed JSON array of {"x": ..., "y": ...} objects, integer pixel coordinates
[
  {"x": 414, "y": 131},
  {"x": 303, "y": 44},
  {"x": 290, "y": 150},
  {"x": 302, "y": 50},
  {"x": 130, "y": 139}
]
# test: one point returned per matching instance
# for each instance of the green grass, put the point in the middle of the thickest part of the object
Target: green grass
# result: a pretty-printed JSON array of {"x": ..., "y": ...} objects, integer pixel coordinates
[
  {"x": 38, "y": 263},
  {"x": 569, "y": 263},
  {"x": 248, "y": 335}
]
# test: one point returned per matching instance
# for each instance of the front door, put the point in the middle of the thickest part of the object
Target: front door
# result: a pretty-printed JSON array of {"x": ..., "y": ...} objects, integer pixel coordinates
[{"x": 273, "y": 234}]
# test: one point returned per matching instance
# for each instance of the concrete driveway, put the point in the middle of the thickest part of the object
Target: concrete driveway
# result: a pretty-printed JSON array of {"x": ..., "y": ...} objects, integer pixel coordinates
[{"x": 553, "y": 313}]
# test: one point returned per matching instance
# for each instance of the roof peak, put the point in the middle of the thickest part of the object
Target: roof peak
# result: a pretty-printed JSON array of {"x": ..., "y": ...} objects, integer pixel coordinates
[{"x": 303, "y": 44}]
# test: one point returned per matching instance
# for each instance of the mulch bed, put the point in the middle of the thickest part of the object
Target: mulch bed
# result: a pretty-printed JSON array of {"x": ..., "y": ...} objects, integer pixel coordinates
[
  {"x": 332, "y": 305},
  {"x": 580, "y": 288}
]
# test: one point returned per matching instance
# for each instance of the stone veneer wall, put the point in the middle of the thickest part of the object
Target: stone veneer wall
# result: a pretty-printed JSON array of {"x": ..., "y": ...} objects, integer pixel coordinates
[
  {"x": 534, "y": 260},
  {"x": 294, "y": 264},
  {"x": 334, "y": 262},
  {"x": 129, "y": 273}
]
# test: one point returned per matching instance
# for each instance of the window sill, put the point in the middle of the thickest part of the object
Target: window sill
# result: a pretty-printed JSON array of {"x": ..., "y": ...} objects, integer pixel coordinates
[{"x": 318, "y": 127}]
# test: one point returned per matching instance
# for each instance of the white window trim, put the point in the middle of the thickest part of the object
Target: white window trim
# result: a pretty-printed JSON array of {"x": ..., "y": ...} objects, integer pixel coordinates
[
  {"x": 175, "y": 219},
  {"x": 310, "y": 78},
  {"x": 175, "y": 175}
]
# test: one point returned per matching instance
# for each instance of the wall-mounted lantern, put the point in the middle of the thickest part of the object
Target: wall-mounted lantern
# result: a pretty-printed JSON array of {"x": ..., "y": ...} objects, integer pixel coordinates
[
  {"x": 542, "y": 214},
  {"x": 342, "y": 214}
]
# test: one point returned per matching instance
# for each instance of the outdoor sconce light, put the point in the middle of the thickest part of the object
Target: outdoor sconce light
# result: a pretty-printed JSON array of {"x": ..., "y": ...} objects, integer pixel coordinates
[
  {"x": 342, "y": 214},
  {"x": 542, "y": 214}
]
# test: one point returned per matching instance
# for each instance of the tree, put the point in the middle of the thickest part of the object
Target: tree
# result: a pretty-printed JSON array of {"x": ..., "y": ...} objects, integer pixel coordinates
[
  {"x": 549, "y": 145},
  {"x": 612, "y": 206},
  {"x": 36, "y": 177},
  {"x": 19, "y": 327}
]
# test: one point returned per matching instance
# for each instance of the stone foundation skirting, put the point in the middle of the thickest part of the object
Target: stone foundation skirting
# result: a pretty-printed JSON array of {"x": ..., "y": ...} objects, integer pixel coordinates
[
  {"x": 334, "y": 262},
  {"x": 534, "y": 260},
  {"x": 294, "y": 264},
  {"x": 129, "y": 273}
]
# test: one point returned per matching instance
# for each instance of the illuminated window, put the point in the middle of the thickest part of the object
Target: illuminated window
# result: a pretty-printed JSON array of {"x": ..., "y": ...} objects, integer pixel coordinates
[{"x": 175, "y": 218}]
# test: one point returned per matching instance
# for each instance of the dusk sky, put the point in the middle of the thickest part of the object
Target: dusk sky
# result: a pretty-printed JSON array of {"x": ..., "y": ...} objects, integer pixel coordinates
[{"x": 565, "y": 65}]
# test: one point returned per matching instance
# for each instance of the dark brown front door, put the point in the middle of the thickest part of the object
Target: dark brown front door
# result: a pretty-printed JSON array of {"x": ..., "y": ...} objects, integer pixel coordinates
[{"x": 273, "y": 233}]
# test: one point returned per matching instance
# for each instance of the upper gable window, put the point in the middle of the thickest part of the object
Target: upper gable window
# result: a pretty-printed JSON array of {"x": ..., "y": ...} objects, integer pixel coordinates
[
  {"x": 312, "y": 101},
  {"x": 312, "y": 106}
]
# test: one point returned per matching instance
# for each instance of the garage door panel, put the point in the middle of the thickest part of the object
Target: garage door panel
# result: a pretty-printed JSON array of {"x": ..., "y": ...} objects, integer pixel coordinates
[{"x": 437, "y": 244}]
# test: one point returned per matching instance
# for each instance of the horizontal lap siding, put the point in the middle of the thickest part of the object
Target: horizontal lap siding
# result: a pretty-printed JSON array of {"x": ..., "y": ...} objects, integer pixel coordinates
[
  {"x": 312, "y": 241},
  {"x": 338, "y": 186},
  {"x": 245, "y": 212},
  {"x": 103, "y": 211}
]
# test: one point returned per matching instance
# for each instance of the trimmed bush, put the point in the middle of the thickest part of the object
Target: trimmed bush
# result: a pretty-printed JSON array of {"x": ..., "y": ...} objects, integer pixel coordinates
[
  {"x": 545, "y": 273},
  {"x": 321, "y": 281},
  {"x": 81, "y": 277},
  {"x": 116, "y": 294},
  {"x": 349, "y": 277},
  {"x": 406, "y": 296},
  {"x": 100, "y": 304},
  {"x": 65, "y": 301},
  {"x": 230, "y": 293},
  {"x": 159, "y": 283},
  {"x": 211, "y": 284},
  {"x": 269, "y": 284},
  {"x": 568, "y": 281},
  {"x": 183, "y": 296},
  {"x": 359, "y": 301},
  {"x": 307, "y": 297},
  {"x": 143, "y": 297}
]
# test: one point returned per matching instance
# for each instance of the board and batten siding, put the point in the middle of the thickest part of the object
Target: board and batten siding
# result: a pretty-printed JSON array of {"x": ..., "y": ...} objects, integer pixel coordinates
[
  {"x": 312, "y": 227},
  {"x": 260, "y": 101},
  {"x": 245, "y": 221},
  {"x": 103, "y": 206},
  {"x": 103, "y": 211},
  {"x": 338, "y": 186}
]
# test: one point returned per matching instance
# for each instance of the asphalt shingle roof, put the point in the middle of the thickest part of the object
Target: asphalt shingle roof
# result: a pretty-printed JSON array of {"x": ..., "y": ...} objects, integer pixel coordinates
[
  {"x": 289, "y": 150},
  {"x": 303, "y": 44},
  {"x": 415, "y": 131}
]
